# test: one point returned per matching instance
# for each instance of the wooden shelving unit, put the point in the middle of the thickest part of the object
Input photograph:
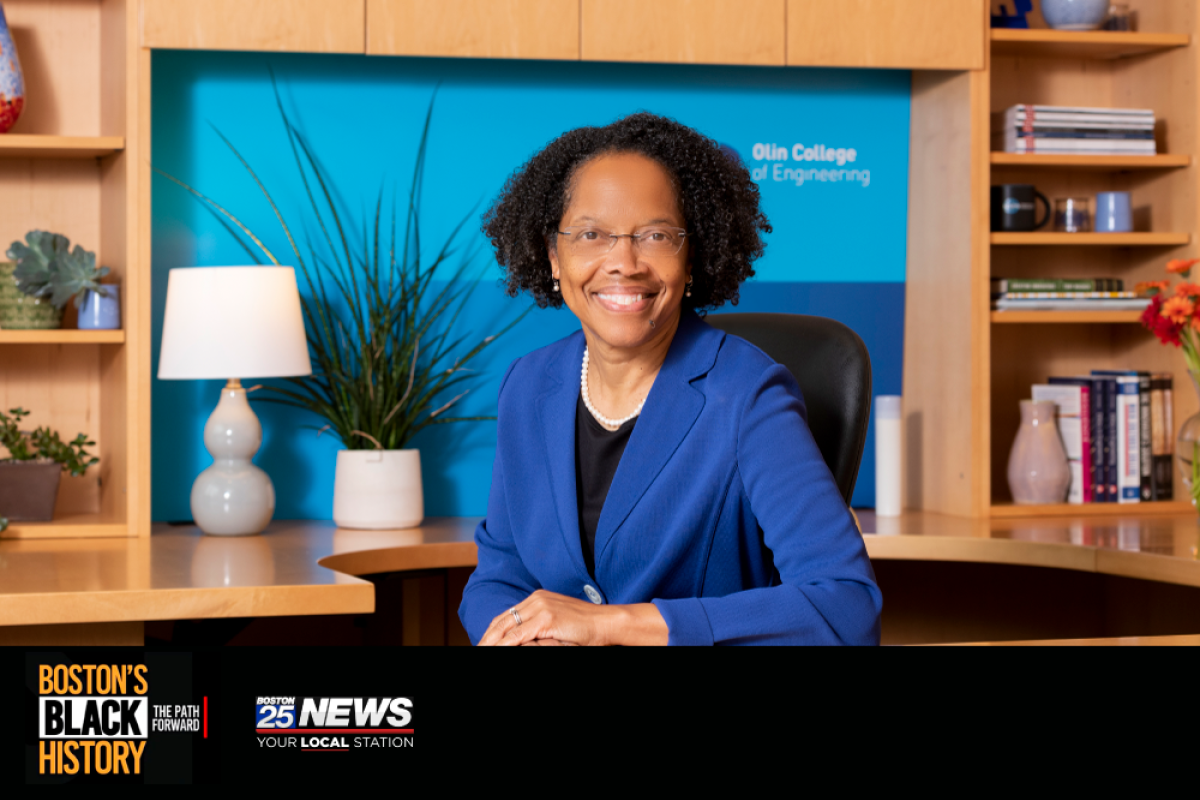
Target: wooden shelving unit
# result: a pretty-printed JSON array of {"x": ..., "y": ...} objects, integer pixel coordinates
[
  {"x": 1108, "y": 510},
  {"x": 70, "y": 526},
  {"x": 62, "y": 337},
  {"x": 73, "y": 164},
  {"x": 1099, "y": 45},
  {"x": 1092, "y": 69},
  {"x": 1037, "y": 239},
  {"x": 1060, "y": 317},
  {"x": 967, "y": 366},
  {"x": 18, "y": 145},
  {"x": 1080, "y": 163}
]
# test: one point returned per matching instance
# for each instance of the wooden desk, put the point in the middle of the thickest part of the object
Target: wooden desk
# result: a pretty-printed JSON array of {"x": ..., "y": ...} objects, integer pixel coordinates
[
  {"x": 100, "y": 591},
  {"x": 945, "y": 579},
  {"x": 1121, "y": 641}
]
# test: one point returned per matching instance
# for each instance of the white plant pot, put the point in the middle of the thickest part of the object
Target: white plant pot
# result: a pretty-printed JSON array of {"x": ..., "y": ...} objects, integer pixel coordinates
[{"x": 378, "y": 489}]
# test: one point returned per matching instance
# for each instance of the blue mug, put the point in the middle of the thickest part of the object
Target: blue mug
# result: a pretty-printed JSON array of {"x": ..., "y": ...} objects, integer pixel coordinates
[{"x": 1114, "y": 213}]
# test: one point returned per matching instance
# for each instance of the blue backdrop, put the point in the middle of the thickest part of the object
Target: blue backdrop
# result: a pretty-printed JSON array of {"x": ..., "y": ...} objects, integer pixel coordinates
[{"x": 829, "y": 149}]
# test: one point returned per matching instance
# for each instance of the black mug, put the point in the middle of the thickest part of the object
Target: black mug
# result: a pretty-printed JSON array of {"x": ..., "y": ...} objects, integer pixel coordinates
[{"x": 1014, "y": 208}]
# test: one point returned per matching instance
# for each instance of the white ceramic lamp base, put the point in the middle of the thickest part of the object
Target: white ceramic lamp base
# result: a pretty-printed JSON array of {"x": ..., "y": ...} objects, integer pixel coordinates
[{"x": 233, "y": 497}]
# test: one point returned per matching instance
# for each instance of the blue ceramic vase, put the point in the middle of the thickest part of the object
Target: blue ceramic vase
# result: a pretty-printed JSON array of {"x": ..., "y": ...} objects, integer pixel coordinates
[
  {"x": 101, "y": 313},
  {"x": 12, "y": 82}
]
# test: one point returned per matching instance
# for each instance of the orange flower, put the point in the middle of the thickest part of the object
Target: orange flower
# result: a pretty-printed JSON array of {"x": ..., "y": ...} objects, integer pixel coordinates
[
  {"x": 1178, "y": 309},
  {"x": 1149, "y": 288},
  {"x": 1182, "y": 266},
  {"x": 1196, "y": 323},
  {"x": 1187, "y": 290}
]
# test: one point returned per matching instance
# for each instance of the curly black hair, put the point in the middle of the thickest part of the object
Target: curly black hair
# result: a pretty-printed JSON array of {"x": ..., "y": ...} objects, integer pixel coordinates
[{"x": 719, "y": 201}]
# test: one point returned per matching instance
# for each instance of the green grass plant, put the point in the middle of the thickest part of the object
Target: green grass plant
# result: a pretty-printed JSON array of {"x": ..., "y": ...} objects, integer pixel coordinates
[{"x": 383, "y": 336}]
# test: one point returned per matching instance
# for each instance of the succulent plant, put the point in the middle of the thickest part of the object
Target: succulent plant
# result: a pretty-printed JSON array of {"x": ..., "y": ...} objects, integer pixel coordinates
[
  {"x": 47, "y": 268},
  {"x": 34, "y": 260}
]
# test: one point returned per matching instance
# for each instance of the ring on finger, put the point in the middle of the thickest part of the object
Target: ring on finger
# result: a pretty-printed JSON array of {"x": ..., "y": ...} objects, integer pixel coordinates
[{"x": 515, "y": 614}]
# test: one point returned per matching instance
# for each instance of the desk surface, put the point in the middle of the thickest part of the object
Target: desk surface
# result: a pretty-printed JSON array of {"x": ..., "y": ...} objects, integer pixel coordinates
[{"x": 300, "y": 568}]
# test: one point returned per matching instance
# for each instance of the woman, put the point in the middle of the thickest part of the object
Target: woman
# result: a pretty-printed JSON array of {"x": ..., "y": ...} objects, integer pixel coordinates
[{"x": 655, "y": 481}]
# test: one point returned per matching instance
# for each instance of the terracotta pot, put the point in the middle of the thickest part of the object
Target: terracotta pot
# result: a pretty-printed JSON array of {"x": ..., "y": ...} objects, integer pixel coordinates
[{"x": 28, "y": 491}]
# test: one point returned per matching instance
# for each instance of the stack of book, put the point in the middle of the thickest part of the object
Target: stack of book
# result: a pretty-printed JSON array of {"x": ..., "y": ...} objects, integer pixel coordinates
[
  {"x": 1118, "y": 430},
  {"x": 1077, "y": 131},
  {"x": 1064, "y": 294}
]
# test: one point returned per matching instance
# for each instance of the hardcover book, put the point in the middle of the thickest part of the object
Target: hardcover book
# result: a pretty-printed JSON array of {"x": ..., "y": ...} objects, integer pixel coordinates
[
  {"x": 1074, "y": 426},
  {"x": 1128, "y": 446},
  {"x": 1093, "y": 434},
  {"x": 1106, "y": 393},
  {"x": 1162, "y": 433}
]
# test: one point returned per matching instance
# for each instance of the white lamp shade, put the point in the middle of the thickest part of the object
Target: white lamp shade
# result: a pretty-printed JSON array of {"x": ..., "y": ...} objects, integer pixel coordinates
[{"x": 233, "y": 322}]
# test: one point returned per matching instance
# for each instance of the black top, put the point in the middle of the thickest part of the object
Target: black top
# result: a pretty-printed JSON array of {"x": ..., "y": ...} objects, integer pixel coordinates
[{"x": 597, "y": 454}]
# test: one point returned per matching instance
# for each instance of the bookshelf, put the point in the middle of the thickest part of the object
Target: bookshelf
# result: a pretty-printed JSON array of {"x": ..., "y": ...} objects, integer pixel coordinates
[
  {"x": 1097, "y": 163},
  {"x": 1106, "y": 510},
  {"x": 1144, "y": 239},
  {"x": 71, "y": 165},
  {"x": 966, "y": 366},
  {"x": 1058, "y": 317},
  {"x": 62, "y": 337},
  {"x": 18, "y": 145},
  {"x": 1098, "y": 45}
]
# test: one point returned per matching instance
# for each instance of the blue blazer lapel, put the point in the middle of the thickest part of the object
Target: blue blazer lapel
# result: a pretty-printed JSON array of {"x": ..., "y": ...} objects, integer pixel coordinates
[
  {"x": 556, "y": 412},
  {"x": 671, "y": 410}
]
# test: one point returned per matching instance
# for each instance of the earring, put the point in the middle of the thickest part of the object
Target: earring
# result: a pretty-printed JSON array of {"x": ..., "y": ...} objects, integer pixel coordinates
[
  {"x": 556, "y": 286},
  {"x": 688, "y": 285}
]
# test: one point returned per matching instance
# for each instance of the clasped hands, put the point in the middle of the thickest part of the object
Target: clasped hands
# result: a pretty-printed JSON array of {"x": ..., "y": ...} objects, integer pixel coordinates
[{"x": 554, "y": 619}]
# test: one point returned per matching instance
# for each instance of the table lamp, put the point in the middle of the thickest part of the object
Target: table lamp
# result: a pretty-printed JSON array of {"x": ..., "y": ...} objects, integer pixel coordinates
[{"x": 231, "y": 323}]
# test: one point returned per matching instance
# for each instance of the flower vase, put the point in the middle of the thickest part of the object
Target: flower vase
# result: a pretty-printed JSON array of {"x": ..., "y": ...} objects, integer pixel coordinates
[
  {"x": 1187, "y": 446},
  {"x": 1038, "y": 472},
  {"x": 12, "y": 82}
]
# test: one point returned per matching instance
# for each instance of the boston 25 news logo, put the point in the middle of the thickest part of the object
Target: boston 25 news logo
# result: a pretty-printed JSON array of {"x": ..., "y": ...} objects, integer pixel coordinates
[{"x": 333, "y": 724}]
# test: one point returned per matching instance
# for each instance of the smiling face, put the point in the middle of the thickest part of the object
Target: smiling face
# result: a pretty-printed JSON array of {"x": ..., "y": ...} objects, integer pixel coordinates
[{"x": 617, "y": 294}]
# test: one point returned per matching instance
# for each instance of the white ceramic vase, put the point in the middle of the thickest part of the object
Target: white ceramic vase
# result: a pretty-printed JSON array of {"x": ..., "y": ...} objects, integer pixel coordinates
[
  {"x": 1038, "y": 472},
  {"x": 378, "y": 489}
]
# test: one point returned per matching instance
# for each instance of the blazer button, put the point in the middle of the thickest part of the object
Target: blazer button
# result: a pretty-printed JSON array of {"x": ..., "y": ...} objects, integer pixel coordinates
[{"x": 592, "y": 594}]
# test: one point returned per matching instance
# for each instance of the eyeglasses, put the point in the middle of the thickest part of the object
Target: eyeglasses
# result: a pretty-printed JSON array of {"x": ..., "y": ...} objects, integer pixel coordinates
[{"x": 652, "y": 242}]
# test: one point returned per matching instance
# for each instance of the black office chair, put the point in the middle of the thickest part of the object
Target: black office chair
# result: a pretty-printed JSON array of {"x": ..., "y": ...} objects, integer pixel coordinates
[{"x": 833, "y": 368}]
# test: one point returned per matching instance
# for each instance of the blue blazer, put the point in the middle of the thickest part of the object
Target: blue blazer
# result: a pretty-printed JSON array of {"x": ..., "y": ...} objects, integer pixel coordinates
[{"x": 722, "y": 511}]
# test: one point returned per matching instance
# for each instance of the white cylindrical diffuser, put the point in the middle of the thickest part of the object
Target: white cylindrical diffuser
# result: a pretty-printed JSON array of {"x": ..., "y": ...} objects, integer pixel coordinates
[{"x": 887, "y": 456}]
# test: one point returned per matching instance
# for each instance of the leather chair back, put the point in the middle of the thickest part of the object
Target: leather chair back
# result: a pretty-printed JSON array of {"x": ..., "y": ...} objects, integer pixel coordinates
[{"x": 833, "y": 369}]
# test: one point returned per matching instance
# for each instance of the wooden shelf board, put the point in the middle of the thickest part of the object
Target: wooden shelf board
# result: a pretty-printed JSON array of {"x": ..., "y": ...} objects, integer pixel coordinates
[
  {"x": 26, "y": 145},
  {"x": 1132, "y": 510},
  {"x": 1093, "y": 239},
  {"x": 81, "y": 526},
  {"x": 1089, "y": 163},
  {"x": 1039, "y": 317},
  {"x": 62, "y": 337},
  {"x": 1102, "y": 45}
]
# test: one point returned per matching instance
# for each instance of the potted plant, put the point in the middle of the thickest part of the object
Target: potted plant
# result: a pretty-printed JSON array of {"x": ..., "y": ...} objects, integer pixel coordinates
[
  {"x": 44, "y": 275},
  {"x": 30, "y": 473},
  {"x": 384, "y": 343}
]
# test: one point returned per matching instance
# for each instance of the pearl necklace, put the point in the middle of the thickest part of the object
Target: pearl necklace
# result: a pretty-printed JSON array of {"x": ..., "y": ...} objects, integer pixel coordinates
[{"x": 587, "y": 401}]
